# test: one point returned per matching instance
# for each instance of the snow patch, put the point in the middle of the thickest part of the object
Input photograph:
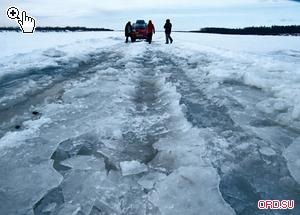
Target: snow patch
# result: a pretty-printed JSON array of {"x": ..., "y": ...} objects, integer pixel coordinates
[{"x": 16, "y": 138}]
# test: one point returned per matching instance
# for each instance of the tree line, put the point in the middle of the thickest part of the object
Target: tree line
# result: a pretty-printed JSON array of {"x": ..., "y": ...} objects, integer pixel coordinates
[
  {"x": 263, "y": 30},
  {"x": 57, "y": 29}
]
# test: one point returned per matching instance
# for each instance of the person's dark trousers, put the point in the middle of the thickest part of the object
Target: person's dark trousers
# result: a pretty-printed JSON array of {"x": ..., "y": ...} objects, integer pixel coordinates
[
  {"x": 149, "y": 38},
  {"x": 168, "y": 37},
  {"x": 127, "y": 39}
]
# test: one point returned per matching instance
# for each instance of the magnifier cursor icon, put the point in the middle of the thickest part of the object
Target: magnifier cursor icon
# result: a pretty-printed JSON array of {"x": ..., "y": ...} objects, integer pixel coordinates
[{"x": 26, "y": 23}]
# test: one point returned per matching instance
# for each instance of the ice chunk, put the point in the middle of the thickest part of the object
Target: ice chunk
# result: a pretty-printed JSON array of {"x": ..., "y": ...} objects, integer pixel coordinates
[
  {"x": 190, "y": 190},
  {"x": 102, "y": 208},
  {"x": 25, "y": 185},
  {"x": 172, "y": 154},
  {"x": 70, "y": 209},
  {"x": 132, "y": 168},
  {"x": 267, "y": 151},
  {"x": 84, "y": 163},
  {"x": 50, "y": 208},
  {"x": 149, "y": 180},
  {"x": 50, "y": 203},
  {"x": 293, "y": 160},
  {"x": 296, "y": 112},
  {"x": 81, "y": 188}
]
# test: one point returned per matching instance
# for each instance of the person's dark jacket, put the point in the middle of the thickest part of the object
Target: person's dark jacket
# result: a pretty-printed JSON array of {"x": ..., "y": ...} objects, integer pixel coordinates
[
  {"x": 128, "y": 29},
  {"x": 168, "y": 28}
]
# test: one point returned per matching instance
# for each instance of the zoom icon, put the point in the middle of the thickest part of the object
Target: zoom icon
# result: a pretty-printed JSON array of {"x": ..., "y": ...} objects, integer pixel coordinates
[{"x": 27, "y": 23}]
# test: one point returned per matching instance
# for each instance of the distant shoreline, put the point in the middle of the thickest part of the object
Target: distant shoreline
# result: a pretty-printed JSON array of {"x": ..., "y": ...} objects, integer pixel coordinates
[
  {"x": 56, "y": 29},
  {"x": 291, "y": 30}
]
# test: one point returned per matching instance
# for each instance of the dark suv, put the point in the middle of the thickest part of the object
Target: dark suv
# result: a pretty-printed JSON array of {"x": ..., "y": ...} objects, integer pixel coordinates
[{"x": 139, "y": 30}]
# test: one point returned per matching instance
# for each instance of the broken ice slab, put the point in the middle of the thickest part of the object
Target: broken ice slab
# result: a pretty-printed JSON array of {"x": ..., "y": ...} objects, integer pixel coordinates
[
  {"x": 84, "y": 145},
  {"x": 138, "y": 152},
  {"x": 188, "y": 190},
  {"x": 71, "y": 209},
  {"x": 23, "y": 186},
  {"x": 85, "y": 163},
  {"x": 103, "y": 208},
  {"x": 148, "y": 181},
  {"x": 267, "y": 151},
  {"x": 84, "y": 187},
  {"x": 132, "y": 168},
  {"x": 50, "y": 203}
]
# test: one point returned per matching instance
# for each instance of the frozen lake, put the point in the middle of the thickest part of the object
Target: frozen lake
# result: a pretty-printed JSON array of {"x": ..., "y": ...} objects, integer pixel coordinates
[{"x": 90, "y": 125}]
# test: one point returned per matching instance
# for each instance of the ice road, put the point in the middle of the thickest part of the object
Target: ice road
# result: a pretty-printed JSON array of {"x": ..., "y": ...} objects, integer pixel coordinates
[{"x": 90, "y": 125}]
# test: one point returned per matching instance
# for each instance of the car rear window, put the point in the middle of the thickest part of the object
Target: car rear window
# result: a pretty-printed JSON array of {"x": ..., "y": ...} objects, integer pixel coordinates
[{"x": 142, "y": 22}]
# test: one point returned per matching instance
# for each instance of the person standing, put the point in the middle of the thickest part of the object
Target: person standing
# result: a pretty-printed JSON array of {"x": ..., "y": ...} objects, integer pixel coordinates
[
  {"x": 128, "y": 30},
  {"x": 168, "y": 30},
  {"x": 150, "y": 31}
]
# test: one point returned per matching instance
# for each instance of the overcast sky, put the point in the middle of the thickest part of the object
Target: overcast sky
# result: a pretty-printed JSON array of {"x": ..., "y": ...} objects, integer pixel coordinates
[{"x": 185, "y": 14}]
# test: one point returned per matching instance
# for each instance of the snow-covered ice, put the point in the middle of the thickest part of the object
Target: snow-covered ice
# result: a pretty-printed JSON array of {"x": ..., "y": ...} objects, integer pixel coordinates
[{"x": 91, "y": 125}]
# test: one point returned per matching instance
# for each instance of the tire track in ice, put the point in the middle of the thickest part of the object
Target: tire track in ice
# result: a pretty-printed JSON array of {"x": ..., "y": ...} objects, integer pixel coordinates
[
  {"x": 248, "y": 172},
  {"x": 180, "y": 148},
  {"x": 146, "y": 124}
]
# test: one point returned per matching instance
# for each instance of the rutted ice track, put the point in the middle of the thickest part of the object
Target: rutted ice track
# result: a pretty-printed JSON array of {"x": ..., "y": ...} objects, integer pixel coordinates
[
  {"x": 244, "y": 144},
  {"x": 114, "y": 142},
  {"x": 138, "y": 132}
]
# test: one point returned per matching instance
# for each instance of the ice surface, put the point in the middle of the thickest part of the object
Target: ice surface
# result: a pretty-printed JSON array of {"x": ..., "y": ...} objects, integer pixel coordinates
[
  {"x": 28, "y": 43},
  {"x": 13, "y": 139},
  {"x": 267, "y": 151},
  {"x": 267, "y": 67},
  {"x": 293, "y": 160},
  {"x": 132, "y": 168},
  {"x": 22, "y": 186},
  {"x": 70, "y": 209},
  {"x": 272, "y": 68},
  {"x": 184, "y": 122},
  {"x": 148, "y": 181},
  {"x": 84, "y": 163},
  {"x": 190, "y": 190}
]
